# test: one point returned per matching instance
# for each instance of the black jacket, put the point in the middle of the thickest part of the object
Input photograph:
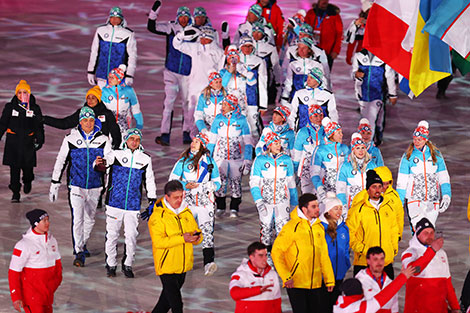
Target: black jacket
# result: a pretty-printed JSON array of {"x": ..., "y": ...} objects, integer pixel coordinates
[
  {"x": 25, "y": 132},
  {"x": 107, "y": 118}
]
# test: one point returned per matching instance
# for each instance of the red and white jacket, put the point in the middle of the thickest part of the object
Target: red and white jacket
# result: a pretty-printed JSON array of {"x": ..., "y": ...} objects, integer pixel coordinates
[
  {"x": 245, "y": 289},
  {"x": 35, "y": 269},
  {"x": 359, "y": 303},
  {"x": 431, "y": 289},
  {"x": 372, "y": 286}
]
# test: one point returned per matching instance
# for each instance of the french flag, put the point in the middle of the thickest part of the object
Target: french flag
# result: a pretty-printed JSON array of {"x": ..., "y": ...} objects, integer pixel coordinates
[{"x": 387, "y": 26}]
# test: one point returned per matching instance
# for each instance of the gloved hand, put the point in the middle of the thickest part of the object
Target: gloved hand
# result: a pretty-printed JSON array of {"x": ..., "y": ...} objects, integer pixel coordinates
[
  {"x": 145, "y": 214},
  {"x": 156, "y": 5},
  {"x": 54, "y": 192},
  {"x": 246, "y": 167},
  {"x": 129, "y": 80},
  {"x": 444, "y": 205},
  {"x": 191, "y": 33},
  {"x": 37, "y": 146},
  {"x": 225, "y": 30},
  {"x": 261, "y": 206},
  {"x": 91, "y": 79}
]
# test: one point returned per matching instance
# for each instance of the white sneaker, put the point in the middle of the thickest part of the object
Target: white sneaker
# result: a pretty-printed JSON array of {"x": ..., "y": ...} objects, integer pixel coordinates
[
  {"x": 210, "y": 269},
  {"x": 233, "y": 214},
  {"x": 219, "y": 213}
]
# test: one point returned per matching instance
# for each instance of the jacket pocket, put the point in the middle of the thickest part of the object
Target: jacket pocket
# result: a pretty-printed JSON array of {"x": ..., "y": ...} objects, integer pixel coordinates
[{"x": 165, "y": 254}]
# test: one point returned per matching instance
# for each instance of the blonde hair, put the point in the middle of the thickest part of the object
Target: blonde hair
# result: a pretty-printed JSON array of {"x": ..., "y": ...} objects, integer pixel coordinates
[
  {"x": 432, "y": 148},
  {"x": 367, "y": 158},
  {"x": 207, "y": 92},
  {"x": 332, "y": 224}
]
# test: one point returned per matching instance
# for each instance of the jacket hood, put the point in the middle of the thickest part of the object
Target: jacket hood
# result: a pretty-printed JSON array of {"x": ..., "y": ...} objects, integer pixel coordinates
[
  {"x": 297, "y": 214},
  {"x": 96, "y": 129},
  {"x": 246, "y": 267}
]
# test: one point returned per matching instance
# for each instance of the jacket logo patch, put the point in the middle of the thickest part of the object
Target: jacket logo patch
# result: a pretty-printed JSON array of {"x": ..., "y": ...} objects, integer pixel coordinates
[
  {"x": 329, "y": 156},
  {"x": 15, "y": 113},
  {"x": 37, "y": 252},
  {"x": 298, "y": 69},
  {"x": 190, "y": 167},
  {"x": 124, "y": 160},
  {"x": 79, "y": 142},
  {"x": 416, "y": 160},
  {"x": 110, "y": 98},
  {"x": 306, "y": 98},
  {"x": 102, "y": 118},
  {"x": 106, "y": 35},
  {"x": 267, "y": 165},
  {"x": 353, "y": 172},
  {"x": 221, "y": 124}
]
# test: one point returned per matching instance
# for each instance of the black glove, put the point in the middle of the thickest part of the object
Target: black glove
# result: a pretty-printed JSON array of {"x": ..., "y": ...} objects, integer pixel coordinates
[
  {"x": 224, "y": 26},
  {"x": 190, "y": 32},
  {"x": 37, "y": 146},
  {"x": 145, "y": 215},
  {"x": 156, "y": 5}
]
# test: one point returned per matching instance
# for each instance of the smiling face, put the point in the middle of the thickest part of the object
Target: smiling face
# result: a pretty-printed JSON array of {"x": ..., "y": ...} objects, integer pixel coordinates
[
  {"x": 200, "y": 20},
  {"x": 91, "y": 100},
  {"x": 419, "y": 142},
  {"x": 366, "y": 135},
  {"x": 360, "y": 151},
  {"x": 133, "y": 142},
  {"x": 426, "y": 236},
  {"x": 216, "y": 84},
  {"x": 195, "y": 145},
  {"x": 336, "y": 212},
  {"x": 112, "y": 80},
  {"x": 87, "y": 124},
  {"x": 246, "y": 49},
  {"x": 303, "y": 51},
  {"x": 226, "y": 108},
  {"x": 183, "y": 20},
  {"x": 312, "y": 210},
  {"x": 115, "y": 21}
]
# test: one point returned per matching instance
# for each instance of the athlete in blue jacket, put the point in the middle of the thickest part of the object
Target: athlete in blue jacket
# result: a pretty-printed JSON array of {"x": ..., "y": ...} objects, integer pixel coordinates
[
  {"x": 272, "y": 183},
  {"x": 130, "y": 169},
  {"x": 307, "y": 140},
  {"x": 366, "y": 132},
  {"x": 199, "y": 174},
  {"x": 337, "y": 239},
  {"x": 328, "y": 158},
  {"x": 230, "y": 144},
  {"x": 280, "y": 127},
  {"x": 77, "y": 153}
]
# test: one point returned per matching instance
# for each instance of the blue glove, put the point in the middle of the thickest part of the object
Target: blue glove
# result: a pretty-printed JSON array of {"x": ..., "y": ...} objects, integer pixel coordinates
[{"x": 145, "y": 215}]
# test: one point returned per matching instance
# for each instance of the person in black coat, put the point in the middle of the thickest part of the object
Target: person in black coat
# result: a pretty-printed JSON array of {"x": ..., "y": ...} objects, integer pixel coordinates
[
  {"x": 107, "y": 118},
  {"x": 22, "y": 121}
]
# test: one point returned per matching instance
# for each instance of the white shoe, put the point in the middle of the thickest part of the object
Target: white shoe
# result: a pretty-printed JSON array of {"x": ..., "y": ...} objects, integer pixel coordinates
[
  {"x": 233, "y": 214},
  {"x": 219, "y": 213},
  {"x": 210, "y": 269}
]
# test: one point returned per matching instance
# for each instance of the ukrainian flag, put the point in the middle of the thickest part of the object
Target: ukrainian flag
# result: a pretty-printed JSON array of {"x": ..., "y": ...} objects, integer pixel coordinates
[{"x": 430, "y": 59}]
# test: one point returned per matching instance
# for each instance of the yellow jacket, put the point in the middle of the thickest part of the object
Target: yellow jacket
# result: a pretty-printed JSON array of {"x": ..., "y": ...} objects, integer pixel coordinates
[
  {"x": 300, "y": 253},
  {"x": 171, "y": 254},
  {"x": 369, "y": 227}
]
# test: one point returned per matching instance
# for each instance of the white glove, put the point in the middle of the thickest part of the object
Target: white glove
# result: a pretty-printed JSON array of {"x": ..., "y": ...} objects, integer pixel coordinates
[
  {"x": 246, "y": 167},
  {"x": 54, "y": 192},
  {"x": 263, "y": 211},
  {"x": 444, "y": 205},
  {"x": 129, "y": 81},
  {"x": 91, "y": 79}
]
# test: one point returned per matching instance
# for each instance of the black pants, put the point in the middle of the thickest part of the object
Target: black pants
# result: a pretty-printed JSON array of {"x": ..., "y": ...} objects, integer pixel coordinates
[
  {"x": 15, "y": 173},
  {"x": 465, "y": 297},
  {"x": 170, "y": 297},
  {"x": 305, "y": 300},
  {"x": 387, "y": 269},
  {"x": 329, "y": 298},
  {"x": 330, "y": 62}
]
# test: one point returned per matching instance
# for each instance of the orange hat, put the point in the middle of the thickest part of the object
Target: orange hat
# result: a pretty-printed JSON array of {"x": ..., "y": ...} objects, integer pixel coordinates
[
  {"x": 23, "y": 85},
  {"x": 96, "y": 91}
]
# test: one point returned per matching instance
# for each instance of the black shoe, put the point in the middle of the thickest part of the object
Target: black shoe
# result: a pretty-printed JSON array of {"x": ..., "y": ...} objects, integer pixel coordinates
[
  {"x": 127, "y": 270},
  {"x": 79, "y": 260},
  {"x": 15, "y": 198},
  {"x": 86, "y": 252},
  {"x": 27, "y": 187},
  {"x": 111, "y": 271},
  {"x": 163, "y": 140},
  {"x": 186, "y": 138}
]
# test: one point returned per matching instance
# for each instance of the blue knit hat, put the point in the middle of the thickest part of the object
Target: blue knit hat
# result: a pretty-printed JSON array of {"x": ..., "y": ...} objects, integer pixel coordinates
[
  {"x": 133, "y": 132},
  {"x": 316, "y": 74},
  {"x": 257, "y": 10},
  {"x": 183, "y": 11},
  {"x": 199, "y": 11},
  {"x": 257, "y": 27},
  {"x": 116, "y": 12},
  {"x": 308, "y": 42},
  {"x": 86, "y": 112},
  {"x": 306, "y": 29}
]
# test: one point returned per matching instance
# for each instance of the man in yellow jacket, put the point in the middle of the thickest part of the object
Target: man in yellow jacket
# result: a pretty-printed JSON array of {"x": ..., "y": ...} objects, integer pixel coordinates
[
  {"x": 372, "y": 222},
  {"x": 174, "y": 231},
  {"x": 300, "y": 255}
]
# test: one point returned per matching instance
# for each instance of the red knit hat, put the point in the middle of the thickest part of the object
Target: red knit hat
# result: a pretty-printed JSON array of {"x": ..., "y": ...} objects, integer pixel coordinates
[
  {"x": 232, "y": 101},
  {"x": 356, "y": 140},
  {"x": 315, "y": 109},
  {"x": 271, "y": 138},
  {"x": 119, "y": 72},
  {"x": 283, "y": 111},
  {"x": 422, "y": 130},
  {"x": 330, "y": 126}
]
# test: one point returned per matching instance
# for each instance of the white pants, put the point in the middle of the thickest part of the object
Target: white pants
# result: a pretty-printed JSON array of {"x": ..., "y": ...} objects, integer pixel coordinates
[
  {"x": 204, "y": 215},
  {"x": 374, "y": 112},
  {"x": 114, "y": 220},
  {"x": 175, "y": 83},
  {"x": 273, "y": 221},
  {"x": 419, "y": 209},
  {"x": 83, "y": 204},
  {"x": 252, "y": 117},
  {"x": 230, "y": 172}
]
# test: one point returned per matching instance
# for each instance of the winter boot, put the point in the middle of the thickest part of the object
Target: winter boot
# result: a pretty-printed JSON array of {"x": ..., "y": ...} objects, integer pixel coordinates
[
  {"x": 163, "y": 140},
  {"x": 234, "y": 207},
  {"x": 221, "y": 206}
]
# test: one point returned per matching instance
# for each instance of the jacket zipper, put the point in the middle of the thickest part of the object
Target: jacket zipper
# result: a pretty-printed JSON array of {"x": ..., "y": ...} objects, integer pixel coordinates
[
  {"x": 184, "y": 250},
  {"x": 313, "y": 253},
  {"x": 109, "y": 52},
  {"x": 129, "y": 181},
  {"x": 425, "y": 178},
  {"x": 275, "y": 178},
  {"x": 87, "y": 163},
  {"x": 228, "y": 139}
]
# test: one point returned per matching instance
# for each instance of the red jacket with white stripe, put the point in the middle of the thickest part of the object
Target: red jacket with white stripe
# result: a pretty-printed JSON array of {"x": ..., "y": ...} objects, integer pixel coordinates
[
  {"x": 245, "y": 289},
  {"x": 372, "y": 286},
  {"x": 35, "y": 269},
  {"x": 359, "y": 304},
  {"x": 431, "y": 289}
]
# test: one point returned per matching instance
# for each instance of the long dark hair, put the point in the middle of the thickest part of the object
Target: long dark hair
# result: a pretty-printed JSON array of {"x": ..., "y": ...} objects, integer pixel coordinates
[{"x": 195, "y": 160}]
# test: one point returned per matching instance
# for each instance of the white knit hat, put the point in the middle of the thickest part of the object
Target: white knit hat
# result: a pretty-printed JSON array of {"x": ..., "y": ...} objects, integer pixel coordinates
[{"x": 331, "y": 201}]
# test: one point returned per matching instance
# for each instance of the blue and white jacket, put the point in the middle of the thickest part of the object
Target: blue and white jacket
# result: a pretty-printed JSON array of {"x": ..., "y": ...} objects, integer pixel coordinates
[
  {"x": 206, "y": 174},
  {"x": 176, "y": 61},
  {"x": 77, "y": 153},
  {"x": 259, "y": 91},
  {"x": 239, "y": 85},
  {"x": 111, "y": 47},
  {"x": 272, "y": 179},
  {"x": 207, "y": 109},
  {"x": 286, "y": 134},
  {"x": 129, "y": 172},
  {"x": 379, "y": 78},
  {"x": 308, "y": 138},
  {"x": 247, "y": 29},
  {"x": 326, "y": 162},
  {"x": 338, "y": 249},
  {"x": 375, "y": 153},
  {"x": 351, "y": 181},
  {"x": 307, "y": 96},
  {"x": 230, "y": 137},
  {"x": 123, "y": 102},
  {"x": 419, "y": 179},
  {"x": 268, "y": 53}
]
